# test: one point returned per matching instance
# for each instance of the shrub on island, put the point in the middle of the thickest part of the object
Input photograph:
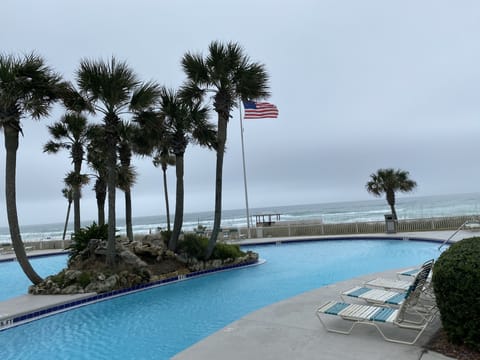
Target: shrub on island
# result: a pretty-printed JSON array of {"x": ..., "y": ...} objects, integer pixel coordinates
[
  {"x": 82, "y": 237},
  {"x": 456, "y": 283},
  {"x": 194, "y": 245}
]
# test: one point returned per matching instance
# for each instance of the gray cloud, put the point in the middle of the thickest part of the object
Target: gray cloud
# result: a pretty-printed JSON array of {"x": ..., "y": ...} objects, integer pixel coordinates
[{"x": 359, "y": 85}]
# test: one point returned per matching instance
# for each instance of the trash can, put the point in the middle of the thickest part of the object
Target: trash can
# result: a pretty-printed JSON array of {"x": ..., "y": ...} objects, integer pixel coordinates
[{"x": 390, "y": 224}]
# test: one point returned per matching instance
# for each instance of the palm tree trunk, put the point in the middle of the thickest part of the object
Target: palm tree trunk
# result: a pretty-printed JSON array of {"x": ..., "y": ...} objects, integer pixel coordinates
[
  {"x": 394, "y": 213},
  {"x": 111, "y": 133},
  {"x": 66, "y": 220},
  {"x": 165, "y": 189},
  {"x": 101, "y": 195},
  {"x": 391, "y": 201},
  {"x": 11, "y": 146},
  {"x": 178, "y": 221},
  {"x": 128, "y": 214},
  {"x": 76, "y": 198},
  {"x": 76, "y": 209},
  {"x": 221, "y": 139}
]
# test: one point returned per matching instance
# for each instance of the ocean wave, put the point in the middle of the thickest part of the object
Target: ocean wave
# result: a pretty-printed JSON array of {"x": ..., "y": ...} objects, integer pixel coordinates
[{"x": 357, "y": 211}]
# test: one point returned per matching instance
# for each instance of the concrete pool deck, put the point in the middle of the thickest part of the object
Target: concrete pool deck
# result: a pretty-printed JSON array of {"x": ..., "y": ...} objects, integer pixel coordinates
[{"x": 288, "y": 329}]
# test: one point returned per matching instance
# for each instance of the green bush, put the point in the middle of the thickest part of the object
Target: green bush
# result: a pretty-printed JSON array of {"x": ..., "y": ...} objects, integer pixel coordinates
[
  {"x": 84, "y": 279},
  {"x": 166, "y": 234},
  {"x": 82, "y": 237},
  {"x": 227, "y": 251},
  {"x": 196, "y": 245},
  {"x": 456, "y": 282},
  {"x": 193, "y": 245}
]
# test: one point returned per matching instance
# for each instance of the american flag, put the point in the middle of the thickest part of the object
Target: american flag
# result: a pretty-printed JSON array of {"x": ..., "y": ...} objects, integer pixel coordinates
[{"x": 260, "y": 110}]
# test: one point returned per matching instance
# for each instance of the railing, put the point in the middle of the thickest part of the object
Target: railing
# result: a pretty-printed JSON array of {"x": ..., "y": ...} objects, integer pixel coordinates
[
  {"x": 414, "y": 225},
  {"x": 471, "y": 224}
]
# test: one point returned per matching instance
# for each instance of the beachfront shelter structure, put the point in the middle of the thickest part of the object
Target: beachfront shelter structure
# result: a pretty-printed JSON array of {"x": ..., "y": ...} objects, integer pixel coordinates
[{"x": 266, "y": 219}]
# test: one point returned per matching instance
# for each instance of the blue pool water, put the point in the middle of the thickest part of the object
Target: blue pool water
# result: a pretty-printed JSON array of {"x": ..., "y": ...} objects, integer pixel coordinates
[
  {"x": 160, "y": 322},
  {"x": 14, "y": 283}
]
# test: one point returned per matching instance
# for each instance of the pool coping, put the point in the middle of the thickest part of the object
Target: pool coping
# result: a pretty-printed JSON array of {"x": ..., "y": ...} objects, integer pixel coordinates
[
  {"x": 55, "y": 304},
  {"x": 10, "y": 257},
  {"x": 289, "y": 240}
]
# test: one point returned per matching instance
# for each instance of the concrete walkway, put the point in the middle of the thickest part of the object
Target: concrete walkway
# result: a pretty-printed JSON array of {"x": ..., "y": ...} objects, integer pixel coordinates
[{"x": 285, "y": 330}]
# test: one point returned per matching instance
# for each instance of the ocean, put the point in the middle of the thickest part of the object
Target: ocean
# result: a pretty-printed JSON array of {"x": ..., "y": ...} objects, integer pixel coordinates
[{"x": 340, "y": 212}]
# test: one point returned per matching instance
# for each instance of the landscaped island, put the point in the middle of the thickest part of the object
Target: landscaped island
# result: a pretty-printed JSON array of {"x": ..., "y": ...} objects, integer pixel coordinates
[{"x": 137, "y": 262}]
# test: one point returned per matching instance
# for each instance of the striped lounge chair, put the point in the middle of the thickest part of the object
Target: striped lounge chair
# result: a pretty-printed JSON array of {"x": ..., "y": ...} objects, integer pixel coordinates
[
  {"x": 410, "y": 315},
  {"x": 408, "y": 272},
  {"x": 386, "y": 296},
  {"x": 376, "y": 296},
  {"x": 376, "y": 316},
  {"x": 400, "y": 285}
]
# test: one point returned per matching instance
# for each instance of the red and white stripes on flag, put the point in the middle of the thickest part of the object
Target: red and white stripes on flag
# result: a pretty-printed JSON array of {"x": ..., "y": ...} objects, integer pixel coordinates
[{"x": 260, "y": 110}]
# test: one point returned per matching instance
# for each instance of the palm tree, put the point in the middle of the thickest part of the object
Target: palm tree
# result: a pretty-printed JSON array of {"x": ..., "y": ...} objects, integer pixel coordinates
[
  {"x": 27, "y": 88},
  {"x": 113, "y": 89},
  {"x": 164, "y": 158},
  {"x": 389, "y": 181},
  {"x": 67, "y": 194},
  {"x": 127, "y": 173},
  {"x": 96, "y": 151},
  {"x": 126, "y": 178},
  {"x": 151, "y": 140},
  {"x": 185, "y": 122},
  {"x": 70, "y": 133},
  {"x": 74, "y": 183},
  {"x": 230, "y": 75}
]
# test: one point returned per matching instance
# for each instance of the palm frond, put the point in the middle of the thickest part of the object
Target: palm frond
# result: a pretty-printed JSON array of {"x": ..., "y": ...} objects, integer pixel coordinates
[
  {"x": 27, "y": 86},
  {"x": 145, "y": 96},
  {"x": 109, "y": 84},
  {"x": 195, "y": 68},
  {"x": 52, "y": 147},
  {"x": 73, "y": 179},
  {"x": 252, "y": 82}
]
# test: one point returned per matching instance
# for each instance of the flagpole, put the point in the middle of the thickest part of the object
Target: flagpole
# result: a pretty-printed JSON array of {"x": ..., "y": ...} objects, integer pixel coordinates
[{"x": 244, "y": 170}]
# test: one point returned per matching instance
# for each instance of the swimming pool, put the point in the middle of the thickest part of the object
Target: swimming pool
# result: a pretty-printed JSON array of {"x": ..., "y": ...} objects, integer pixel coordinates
[{"x": 160, "y": 322}]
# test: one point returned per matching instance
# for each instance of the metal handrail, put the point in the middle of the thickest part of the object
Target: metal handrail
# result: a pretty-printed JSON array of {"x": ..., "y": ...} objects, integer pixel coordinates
[{"x": 456, "y": 231}]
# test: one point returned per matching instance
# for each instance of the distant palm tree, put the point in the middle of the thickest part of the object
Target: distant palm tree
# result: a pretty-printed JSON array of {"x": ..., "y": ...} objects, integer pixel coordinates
[
  {"x": 27, "y": 88},
  {"x": 70, "y": 133},
  {"x": 230, "y": 75},
  {"x": 96, "y": 158},
  {"x": 127, "y": 173},
  {"x": 153, "y": 142},
  {"x": 186, "y": 121},
  {"x": 164, "y": 158},
  {"x": 67, "y": 194},
  {"x": 389, "y": 181},
  {"x": 113, "y": 89},
  {"x": 74, "y": 182}
]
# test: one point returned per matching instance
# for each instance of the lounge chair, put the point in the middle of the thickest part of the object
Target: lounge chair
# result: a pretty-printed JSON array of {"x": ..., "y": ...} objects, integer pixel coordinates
[
  {"x": 376, "y": 316},
  {"x": 376, "y": 296},
  {"x": 400, "y": 285},
  {"x": 408, "y": 272},
  {"x": 411, "y": 315},
  {"x": 389, "y": 297}
]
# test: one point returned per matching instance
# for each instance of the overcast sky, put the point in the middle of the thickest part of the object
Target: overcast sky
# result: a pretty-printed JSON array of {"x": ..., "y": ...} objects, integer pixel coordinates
[{"x": 360, "y": 85}]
